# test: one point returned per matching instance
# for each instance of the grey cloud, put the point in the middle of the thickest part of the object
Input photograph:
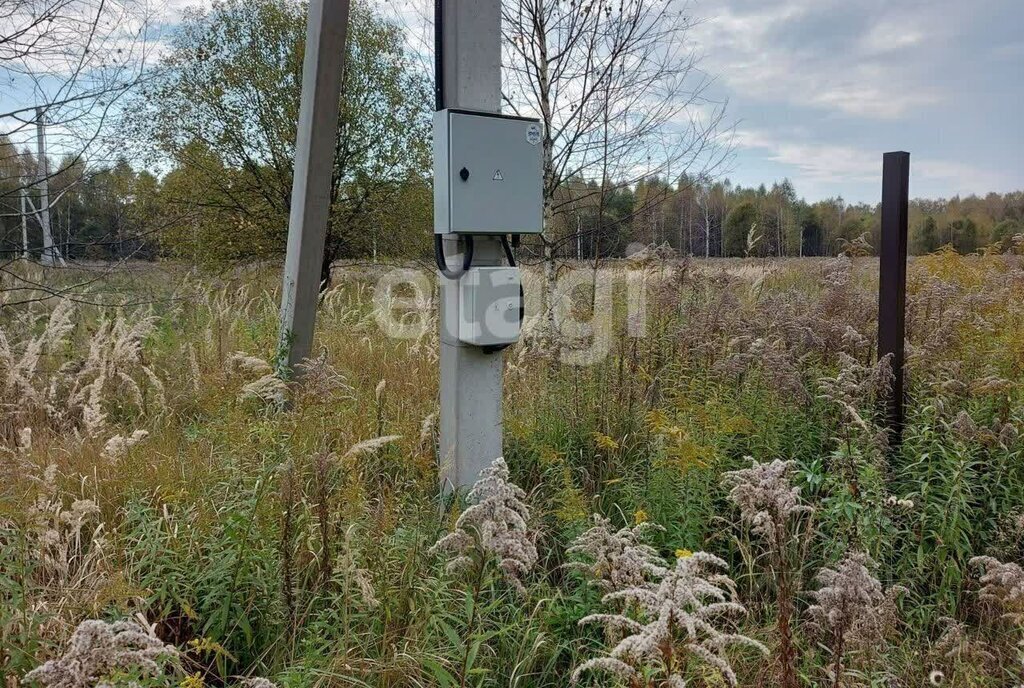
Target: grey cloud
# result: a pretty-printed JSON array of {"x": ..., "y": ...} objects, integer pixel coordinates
[{"x": 827, "y": 85}]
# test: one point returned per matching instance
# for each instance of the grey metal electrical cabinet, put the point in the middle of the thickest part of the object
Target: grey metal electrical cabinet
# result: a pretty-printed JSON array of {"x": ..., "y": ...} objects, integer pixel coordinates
[{"x": 487, "y": 174}]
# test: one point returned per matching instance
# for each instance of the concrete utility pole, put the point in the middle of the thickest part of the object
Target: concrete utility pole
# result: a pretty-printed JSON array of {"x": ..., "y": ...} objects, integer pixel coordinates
[
  {"x": 49, "y": 250},
  {"x": 469, "y": 73},
  {"x": 311, "y": 187}
]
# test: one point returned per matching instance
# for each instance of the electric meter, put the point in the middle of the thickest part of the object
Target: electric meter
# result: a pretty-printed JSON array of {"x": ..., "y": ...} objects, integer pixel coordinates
[{"x": 490, "y": 306}]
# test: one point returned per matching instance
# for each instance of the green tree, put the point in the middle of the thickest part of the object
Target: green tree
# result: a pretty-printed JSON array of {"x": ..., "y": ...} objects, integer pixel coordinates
[
  {"x": 199, "y": 220},
  {"x": 854, "y": 226},
  {"x": 964, "y": 235},
  {"x": 927, "y": 236},
  {"x": 232, "y": 83},
  {"x": 10, "y": 186},
  {"x": 739, "y": 225},
  {"x": 812, "y": 234},
  {"x": 777, "y": 218},
  {"x": 1004, "y": 232}
]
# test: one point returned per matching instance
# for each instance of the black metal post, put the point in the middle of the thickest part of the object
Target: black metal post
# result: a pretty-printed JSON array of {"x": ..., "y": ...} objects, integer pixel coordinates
[{"x": 892, "y": 280}]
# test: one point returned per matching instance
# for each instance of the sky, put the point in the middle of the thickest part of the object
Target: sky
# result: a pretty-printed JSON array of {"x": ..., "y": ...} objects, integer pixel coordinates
[{"x": 819, "y": 89}]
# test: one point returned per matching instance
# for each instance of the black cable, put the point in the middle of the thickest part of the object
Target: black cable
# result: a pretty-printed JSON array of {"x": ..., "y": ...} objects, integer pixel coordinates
[
  {"x": 442, "y": 263},
  {"x": 512, "y": 263},
  {"x": 508, "y": 251},
  {"x": 493, "y": 349},
  {"x": 467, "y": 256}
]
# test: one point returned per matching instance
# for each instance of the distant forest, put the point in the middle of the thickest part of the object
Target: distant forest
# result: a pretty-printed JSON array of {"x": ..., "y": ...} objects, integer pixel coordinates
[
  {"x": 216, "y": 116},
  {"x": 117, "y": 212},
  {"x": 719, "y": 219}
]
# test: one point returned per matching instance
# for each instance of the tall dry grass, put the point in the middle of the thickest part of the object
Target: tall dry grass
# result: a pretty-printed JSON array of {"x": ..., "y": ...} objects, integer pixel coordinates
[{"x": 150, "y": 467}]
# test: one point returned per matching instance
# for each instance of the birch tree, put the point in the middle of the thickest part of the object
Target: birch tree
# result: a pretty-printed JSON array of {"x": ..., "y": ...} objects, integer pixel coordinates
[
  {"x": 620, "y": 92},
  {"x": 70, "y": 63},
  {"x": 66, "y": 66}
]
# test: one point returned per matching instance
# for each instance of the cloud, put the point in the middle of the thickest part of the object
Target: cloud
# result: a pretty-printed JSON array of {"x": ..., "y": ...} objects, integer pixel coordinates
[
  {"x": 173, "y": 10},
  {"x": 816, "y": 162},
  {"x": 852, "y": 58},
  {"x": 819, "y": 164},
  {"x": 1009, "y": 51},
  {"x": 966, "y": 177},
  {"x": 890, "y": 36}
]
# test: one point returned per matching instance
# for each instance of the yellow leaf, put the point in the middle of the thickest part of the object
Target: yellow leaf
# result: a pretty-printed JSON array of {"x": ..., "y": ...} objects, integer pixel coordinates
[{"x": 605, "y": 442}]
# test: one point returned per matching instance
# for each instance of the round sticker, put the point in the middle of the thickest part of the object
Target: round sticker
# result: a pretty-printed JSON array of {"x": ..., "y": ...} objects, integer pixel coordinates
[{"x": 533, "y": 134}]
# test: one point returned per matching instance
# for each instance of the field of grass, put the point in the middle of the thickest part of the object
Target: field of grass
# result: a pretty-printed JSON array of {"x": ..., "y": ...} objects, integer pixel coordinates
[{"x": 753, "y": 527}]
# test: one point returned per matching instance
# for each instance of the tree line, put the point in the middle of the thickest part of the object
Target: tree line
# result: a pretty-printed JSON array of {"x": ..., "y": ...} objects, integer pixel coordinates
[
  {"x": 206, "y": 140},
  {"x": 715, "y": 218},
  {"x": 116, "y": 212}
]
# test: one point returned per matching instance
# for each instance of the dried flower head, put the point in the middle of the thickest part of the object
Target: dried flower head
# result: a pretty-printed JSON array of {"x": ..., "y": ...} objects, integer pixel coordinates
[
  {"x": 269, "y": 389},
  {"x": 964, "y": 425},
  {"x": 956, "y": 645},
  {"x": 117, "y": 446},
  {"x": 854, "y": 390},
  {"x": 73, "y": 396},
  {"x": 258, "y": 682},
  {"x": 617, "y": 559},
  {"x": 25, "y": 440},
  {"x": 320, "y": 381},
  {"x": 494, "y": 525},
  {"x": 1002, "y": 583},
  {"x": 901, "y": 503},
  {"x": 851, "y": 607},
  {"x": 99, "y": 650},
  {"x": 427, "y": 429},
  {"x": 67, "y": 543},
  {"x": 855, "y": 384},
  {"x": 777, "y": 363},
  {"x": 241, "y": 363},
  {"x": 369, "y": 446},
  {"x": 348, "y": 567},
  {"x": 677, "y": 620},
  {"x": 992, "y": 385},
  {"x": 766, "y": 497}
]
